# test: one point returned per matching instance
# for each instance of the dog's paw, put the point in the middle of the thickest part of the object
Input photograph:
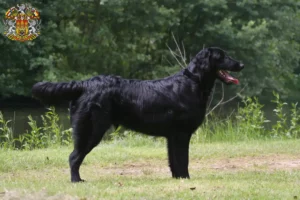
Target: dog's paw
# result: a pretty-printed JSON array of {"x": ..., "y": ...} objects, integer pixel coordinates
[{"x": 77, "y": 181}]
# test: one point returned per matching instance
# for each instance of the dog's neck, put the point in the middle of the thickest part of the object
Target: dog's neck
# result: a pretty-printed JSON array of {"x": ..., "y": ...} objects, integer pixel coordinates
[{"x": 198, "y": 71}]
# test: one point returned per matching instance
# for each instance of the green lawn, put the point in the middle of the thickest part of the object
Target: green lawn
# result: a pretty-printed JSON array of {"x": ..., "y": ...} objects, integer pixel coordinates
[{"x": 120, "y": 170}]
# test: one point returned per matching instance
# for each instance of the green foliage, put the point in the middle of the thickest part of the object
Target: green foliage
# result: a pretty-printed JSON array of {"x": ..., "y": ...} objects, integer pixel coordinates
[
  {"x": 281, "y": 126},
  {"x": 131, "y": 138},
  {"x": 249, "y": 123},
  {"x": 53, "y": 129},
  {"x": 286, "y": 126},
  {"x": 50, "y": 134},
  {"x": 294, "y": 129},
  {"x": 251, "y": 119},
  {"x": 116, "y": 134},
  {"x": 6, "y": 133},
  {"x": 80, "y": 39},
  {"x": 34, "y": 139}
]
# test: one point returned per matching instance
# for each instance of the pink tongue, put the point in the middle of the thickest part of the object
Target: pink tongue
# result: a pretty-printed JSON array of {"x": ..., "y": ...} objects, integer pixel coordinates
[{"x": 231, "y": 79}]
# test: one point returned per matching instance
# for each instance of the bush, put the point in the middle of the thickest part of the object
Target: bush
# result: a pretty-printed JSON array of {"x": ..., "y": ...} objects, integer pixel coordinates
[{"x": 51, "y": 133}]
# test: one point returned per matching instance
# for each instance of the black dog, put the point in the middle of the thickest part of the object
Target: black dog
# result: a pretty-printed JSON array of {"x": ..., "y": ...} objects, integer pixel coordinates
[{"x": 172, "y": 107}]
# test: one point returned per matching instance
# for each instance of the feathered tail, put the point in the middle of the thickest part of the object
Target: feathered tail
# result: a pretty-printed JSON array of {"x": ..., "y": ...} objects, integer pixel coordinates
[{"x": 53, "y": 93}]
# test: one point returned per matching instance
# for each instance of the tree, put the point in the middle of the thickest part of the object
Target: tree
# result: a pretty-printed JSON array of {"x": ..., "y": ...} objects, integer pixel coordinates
[{"x": 130, "y": 38}]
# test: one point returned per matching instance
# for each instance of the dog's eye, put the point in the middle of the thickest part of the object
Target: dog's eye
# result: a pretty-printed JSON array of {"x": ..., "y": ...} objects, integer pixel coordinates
[
  {"x": 220, "y": 57},
  {"x": 217, "y": 56}
]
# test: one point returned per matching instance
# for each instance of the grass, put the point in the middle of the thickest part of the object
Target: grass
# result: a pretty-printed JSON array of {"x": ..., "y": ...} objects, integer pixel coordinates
[{"x": 123, "y": 170}]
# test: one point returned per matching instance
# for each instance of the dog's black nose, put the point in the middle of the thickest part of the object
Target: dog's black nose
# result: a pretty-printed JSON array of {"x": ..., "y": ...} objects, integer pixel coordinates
[{"x": 241, "y": 65}]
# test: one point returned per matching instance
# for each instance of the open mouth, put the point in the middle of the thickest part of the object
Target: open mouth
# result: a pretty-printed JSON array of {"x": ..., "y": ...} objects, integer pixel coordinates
[{"x": 226, "y": 77}]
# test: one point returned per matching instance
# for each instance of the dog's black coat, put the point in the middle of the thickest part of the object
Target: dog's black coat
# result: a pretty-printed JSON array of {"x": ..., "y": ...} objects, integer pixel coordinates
[{"x": 172, "y": 107}]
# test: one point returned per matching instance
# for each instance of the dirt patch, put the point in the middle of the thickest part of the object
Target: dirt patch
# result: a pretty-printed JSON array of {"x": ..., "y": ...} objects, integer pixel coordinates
[
  {"x": 42, "y": 195},
  {"x": 137, "y": 169},
  {"x": 266, "y": 163},
  {"x": 270, "y": 162}
]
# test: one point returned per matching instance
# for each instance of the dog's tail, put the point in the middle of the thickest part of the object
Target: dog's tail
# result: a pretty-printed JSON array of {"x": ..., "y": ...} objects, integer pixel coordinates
[{"x": 53, "y": 93}]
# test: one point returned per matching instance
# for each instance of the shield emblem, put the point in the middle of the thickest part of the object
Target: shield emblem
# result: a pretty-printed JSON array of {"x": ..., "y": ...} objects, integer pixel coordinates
[
  {"x": 22, "y": 23},
  {"x": 22, "y": 27}
]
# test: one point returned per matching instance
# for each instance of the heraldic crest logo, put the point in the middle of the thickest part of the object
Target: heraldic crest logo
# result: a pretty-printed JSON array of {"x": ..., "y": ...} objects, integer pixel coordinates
[{"x": 22, "y": 23}]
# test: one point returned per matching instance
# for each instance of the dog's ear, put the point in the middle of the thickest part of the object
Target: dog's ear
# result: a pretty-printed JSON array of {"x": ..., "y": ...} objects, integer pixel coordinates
[
  {"x": 204, "y": 54},
  {"x": 204, "y": 59}
]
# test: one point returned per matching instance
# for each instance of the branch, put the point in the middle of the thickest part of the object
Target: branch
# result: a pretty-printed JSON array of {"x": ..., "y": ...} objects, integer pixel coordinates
[
  {"x": 184, "y": 54},
  {"x": 234, "y": 96},
  {"x": 180, "y": 52},
  {"x": 221, "y": 102},
  {"x": 211, "y": 97},
  {"x": 174, "y": 55},
  {"x": 180, "y": 57},
  {"x": 218, "y": 102}
]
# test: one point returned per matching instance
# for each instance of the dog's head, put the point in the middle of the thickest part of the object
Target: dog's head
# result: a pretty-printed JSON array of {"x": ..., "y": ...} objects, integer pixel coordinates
[{"x": 216, "y": 61}]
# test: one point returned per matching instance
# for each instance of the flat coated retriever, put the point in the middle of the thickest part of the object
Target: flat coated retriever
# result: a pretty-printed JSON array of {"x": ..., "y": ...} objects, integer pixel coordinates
[{"x": 172, "y": 107}]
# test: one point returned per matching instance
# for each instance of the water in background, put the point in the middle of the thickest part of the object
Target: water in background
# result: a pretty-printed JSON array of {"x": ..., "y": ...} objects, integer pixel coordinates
[{"x": 19, "y": 117}]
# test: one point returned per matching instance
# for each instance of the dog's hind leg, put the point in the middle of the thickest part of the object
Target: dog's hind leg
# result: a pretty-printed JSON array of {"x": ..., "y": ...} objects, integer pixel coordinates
[
  {"x": 88, "y": 133},
  {"x": 82, "y": 128},
  {"x": 178, "y": 148}
]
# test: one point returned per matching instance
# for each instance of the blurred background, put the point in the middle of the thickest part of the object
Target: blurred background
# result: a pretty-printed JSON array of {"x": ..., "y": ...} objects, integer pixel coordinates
[{"x": 141, "y": 38}]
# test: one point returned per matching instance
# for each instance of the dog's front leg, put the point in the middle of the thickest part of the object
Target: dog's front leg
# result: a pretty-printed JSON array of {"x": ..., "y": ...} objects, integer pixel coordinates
[{"x": 178, "y": 152}]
